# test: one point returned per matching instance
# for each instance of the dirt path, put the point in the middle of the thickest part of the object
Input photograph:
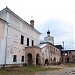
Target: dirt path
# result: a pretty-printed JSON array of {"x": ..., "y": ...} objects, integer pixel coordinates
[{"x": 63, "y": 71}]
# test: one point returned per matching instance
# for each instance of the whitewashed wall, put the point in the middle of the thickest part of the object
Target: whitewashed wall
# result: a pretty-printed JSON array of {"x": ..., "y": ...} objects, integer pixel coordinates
[
  {"x": 49, "y": 39},
  {"x": 28, "y": 31},
  {"x": 3, "y": 15},
  {"x": 16, "y": 28},
  {"x": 3, "y": 35}
]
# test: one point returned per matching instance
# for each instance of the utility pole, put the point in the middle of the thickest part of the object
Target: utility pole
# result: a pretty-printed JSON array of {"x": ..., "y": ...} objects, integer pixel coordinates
[{"x": 63, "y": 53}]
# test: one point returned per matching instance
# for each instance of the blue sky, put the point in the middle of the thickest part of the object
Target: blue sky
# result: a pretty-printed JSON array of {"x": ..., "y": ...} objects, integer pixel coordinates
[{"x": 58, "y": 15}]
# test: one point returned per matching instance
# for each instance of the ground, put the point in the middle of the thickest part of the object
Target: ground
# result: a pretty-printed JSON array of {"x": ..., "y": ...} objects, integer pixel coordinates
[
  {"x": 64, "y": 71},
  {"x": 67, "y": 69}
]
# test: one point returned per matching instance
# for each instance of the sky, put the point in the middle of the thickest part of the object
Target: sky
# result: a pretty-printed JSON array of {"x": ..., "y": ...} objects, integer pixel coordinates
[{"x": 56, "y": 15}]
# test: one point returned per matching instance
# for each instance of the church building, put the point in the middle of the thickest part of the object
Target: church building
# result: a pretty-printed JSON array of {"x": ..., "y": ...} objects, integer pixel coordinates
[
  {"x": 20, "y": 42},
  {"x": 15, "y": 34}
]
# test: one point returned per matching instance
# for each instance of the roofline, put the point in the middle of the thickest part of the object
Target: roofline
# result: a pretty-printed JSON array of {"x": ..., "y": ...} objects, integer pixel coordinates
[
  {"x": 49, "y": 43},
  {"x": 4, "y": 21},
  {"x": 33, "y": 47},
  {"x": 68, "y": 50},
  {"x": 59, "y": 45},
  {"x": 8, "y": 10}
]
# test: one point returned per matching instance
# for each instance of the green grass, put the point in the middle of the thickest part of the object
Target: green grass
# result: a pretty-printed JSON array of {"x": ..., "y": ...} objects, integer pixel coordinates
[
  {"x": 38, "y": 68},
  {"x": 27, "y": 70}
]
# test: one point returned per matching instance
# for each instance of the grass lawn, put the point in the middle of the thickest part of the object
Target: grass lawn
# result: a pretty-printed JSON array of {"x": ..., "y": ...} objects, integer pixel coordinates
[{"x": 27, "y": 70}]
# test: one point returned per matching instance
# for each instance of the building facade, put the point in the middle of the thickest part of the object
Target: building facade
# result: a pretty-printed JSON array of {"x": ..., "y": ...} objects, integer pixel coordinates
[
  {"x": 20, "y": 42},
  {"x": 68, "y": 56},
  {"x": 33, "y": 55},
  {"x": 50, "y": 54},
  {"x": 15, "y": 36}
]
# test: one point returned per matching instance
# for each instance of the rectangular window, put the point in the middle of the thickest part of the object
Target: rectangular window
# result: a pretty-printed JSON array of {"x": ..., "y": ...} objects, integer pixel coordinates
[
  {"x": 22, "y": 59},
  {"x": 27, "y": 41},
  {"x": 22, "y": 39},
  {"x": 14, "y": 58},
  {"x": 32, "y": 43}
]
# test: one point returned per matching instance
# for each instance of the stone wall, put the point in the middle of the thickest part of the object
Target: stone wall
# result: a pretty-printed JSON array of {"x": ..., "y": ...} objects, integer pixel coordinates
[
  {"x": 34, "y": 53},
  {"x": 68, "y": 56}
]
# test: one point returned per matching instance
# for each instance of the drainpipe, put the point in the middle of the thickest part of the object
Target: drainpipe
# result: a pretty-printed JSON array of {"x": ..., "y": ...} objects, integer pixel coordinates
[{"x": 64, "y": 53}]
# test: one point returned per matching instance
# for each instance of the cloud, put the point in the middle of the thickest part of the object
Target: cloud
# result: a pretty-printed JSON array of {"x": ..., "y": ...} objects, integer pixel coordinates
[
  {"x": 58, "y": 15},
  {"x": 61, "y": 31}
]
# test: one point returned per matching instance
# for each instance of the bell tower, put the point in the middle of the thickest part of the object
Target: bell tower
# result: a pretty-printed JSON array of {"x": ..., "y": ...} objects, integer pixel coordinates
[{"x": 49, "y": 38}]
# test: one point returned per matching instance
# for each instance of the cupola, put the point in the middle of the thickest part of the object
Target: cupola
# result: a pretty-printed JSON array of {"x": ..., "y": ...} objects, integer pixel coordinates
[{"x": 48, "y": 32}]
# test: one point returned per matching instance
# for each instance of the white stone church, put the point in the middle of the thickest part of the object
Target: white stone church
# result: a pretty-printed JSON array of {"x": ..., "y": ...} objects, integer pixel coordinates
[{"x": 18, "y": 37}]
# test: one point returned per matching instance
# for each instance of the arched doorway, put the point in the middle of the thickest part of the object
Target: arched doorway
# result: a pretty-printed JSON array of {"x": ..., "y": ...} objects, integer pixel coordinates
[
  {"x": 37, "y": 59},
  {"x": 67, "y": 60},
  {"x": 54, "y": 60},
  {"x": 46, "y": 62},
  {"x": 29, "y": 59}
]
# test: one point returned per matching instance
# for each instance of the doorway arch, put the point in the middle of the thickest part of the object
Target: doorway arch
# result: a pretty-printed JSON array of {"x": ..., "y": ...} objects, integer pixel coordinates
[
  {"x": 46, "y": 62},
  {"x": 29, "y": 59},
  {"x": 54, "y": 60},
  {"x": 67, "y": 60},
  {"x": 37, "y": 59}
]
